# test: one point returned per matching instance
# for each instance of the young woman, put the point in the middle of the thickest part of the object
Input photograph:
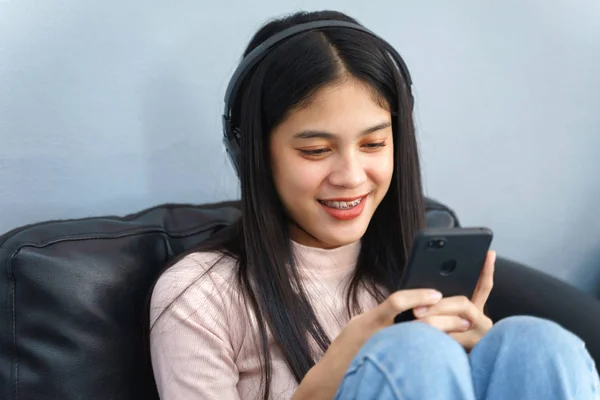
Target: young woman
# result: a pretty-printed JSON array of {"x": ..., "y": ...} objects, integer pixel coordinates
[{"x": 297, "y": 299}]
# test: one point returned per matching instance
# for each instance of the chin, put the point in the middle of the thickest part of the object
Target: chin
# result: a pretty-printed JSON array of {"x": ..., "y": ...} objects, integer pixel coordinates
[
  {"x": 321, "y": 230},
  {"x": 341, "y": 237}
]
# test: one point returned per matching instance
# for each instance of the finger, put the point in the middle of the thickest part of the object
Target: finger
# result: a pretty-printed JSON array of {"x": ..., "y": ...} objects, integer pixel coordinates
[
  {"x": 403, "y": 300},
  {"x": 487, "y": 272},
  {"x": 447, "y": 323},
  {"x": 458, "y": 306},
  {"x": 485, "y": 282},
  {"x": 466, "y": 339}
]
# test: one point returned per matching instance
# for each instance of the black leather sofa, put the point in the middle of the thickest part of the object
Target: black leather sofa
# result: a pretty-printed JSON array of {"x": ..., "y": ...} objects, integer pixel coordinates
[{"x": 72, "y": 294}]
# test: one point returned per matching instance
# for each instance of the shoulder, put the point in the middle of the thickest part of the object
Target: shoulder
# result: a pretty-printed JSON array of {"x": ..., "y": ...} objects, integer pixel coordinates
[
  {"x": 197, "y": 265},
  {"x": 193, "y": 281},
  {"x": 194, "y": 335}
]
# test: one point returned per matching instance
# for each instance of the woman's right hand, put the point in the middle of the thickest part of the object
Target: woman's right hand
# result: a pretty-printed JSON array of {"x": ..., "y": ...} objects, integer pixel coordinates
[{"x": 323, "y": 379}]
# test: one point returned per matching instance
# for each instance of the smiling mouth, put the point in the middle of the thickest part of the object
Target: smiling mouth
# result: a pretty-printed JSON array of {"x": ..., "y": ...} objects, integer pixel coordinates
[{"x": 342, "y": 205}]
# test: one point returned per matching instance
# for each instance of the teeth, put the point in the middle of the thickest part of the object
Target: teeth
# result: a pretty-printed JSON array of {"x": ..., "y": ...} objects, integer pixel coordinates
[{"x": 342, "y": 205}]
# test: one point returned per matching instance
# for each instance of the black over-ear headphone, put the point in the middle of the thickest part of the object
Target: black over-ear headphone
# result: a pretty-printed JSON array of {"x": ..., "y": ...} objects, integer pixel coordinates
[{"x": 232, "y": 134}]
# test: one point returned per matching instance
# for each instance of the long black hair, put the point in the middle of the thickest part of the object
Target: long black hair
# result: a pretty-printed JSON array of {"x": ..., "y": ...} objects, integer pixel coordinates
[{"x": 268, "y": 280}]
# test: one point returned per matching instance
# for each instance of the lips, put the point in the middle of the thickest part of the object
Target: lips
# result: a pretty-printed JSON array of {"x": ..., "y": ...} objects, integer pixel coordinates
[
  {"x": 346, "y": 199},
  {"x": 344, "y": 208}
]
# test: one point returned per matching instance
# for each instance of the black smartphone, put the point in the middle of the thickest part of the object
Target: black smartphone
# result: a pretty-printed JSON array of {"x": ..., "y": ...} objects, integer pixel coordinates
[{"x": 446, "y": 259}]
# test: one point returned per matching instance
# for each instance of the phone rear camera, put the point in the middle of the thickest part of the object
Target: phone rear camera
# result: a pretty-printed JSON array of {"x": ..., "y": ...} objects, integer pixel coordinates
[
  {"x": 448, "y": 267},
  {"x": 436, "y": 243}
]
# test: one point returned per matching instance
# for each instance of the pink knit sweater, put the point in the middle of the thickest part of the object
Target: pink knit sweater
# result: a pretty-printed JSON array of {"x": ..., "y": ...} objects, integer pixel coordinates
[{"x": 203, "y": 346}]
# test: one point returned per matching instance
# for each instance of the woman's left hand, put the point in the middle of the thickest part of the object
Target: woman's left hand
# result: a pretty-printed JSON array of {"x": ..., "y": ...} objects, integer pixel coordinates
[{"x": 461, "y": 318}]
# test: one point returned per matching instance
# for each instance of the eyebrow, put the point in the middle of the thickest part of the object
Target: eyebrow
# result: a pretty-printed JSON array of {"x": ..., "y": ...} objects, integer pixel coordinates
[{"x": 310, "y": 134}]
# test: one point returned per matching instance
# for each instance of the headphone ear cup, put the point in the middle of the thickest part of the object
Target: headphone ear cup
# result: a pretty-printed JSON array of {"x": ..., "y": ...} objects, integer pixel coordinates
[
  {"x": 232, "y": 145},
  {"x": 237, "y": 135}
]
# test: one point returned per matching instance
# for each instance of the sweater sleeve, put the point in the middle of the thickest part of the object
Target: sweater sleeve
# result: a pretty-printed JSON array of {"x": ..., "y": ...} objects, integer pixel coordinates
[{"x": 190, "y": 338}]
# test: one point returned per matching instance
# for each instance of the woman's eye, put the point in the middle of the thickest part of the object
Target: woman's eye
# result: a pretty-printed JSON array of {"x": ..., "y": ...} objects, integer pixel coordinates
[
  {"x": 314, "y": 152},
  {"x": 374, "y": 145}
]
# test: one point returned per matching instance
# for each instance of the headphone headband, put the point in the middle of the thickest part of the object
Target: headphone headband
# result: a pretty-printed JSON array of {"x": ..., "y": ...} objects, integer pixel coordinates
[{"x": 232, "y": 137}]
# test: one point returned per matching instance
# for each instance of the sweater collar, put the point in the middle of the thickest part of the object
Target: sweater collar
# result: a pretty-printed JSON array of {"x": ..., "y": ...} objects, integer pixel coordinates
[{"x": 319, "y": 259}]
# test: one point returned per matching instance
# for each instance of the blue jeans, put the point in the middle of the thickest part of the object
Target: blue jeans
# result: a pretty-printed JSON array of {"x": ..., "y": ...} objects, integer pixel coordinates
[{"x": 520, "y": 358}]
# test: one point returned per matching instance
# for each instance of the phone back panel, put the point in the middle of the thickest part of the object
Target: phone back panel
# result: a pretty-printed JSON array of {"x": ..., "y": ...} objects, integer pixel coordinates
[{"x": 452, "y": 268}]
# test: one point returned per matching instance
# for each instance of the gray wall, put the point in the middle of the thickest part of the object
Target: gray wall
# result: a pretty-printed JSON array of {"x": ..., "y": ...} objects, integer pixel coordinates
[{"x": 109, "y": 107}]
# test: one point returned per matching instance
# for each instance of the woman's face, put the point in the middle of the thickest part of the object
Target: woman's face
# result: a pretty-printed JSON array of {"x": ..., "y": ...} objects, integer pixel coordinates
[{"x": 332, "y": 164}]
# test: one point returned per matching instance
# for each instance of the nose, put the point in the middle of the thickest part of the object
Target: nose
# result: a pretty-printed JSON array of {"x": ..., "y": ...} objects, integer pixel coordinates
[{"x": 348, "y": 171}]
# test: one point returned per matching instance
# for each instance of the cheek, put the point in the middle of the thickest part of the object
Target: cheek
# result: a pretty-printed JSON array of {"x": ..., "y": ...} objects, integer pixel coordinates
[
  {"x": 301, "y": 183},
  {"x": 381, "y": 168},
  {"x": 296, "y": 178}
]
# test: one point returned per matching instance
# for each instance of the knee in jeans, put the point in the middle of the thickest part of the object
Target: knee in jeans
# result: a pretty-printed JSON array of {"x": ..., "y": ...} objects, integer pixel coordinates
[
  {"x": 542, "y": 332},
  {"x": 415, "y": 339}
]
